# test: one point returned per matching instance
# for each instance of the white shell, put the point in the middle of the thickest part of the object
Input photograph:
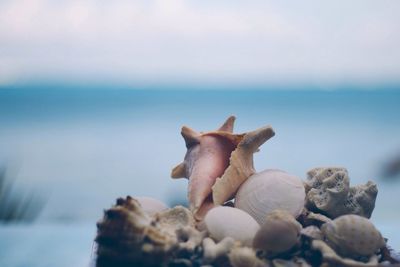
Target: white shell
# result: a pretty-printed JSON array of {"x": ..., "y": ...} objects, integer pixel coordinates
[
  {"x": 224, "y": 222},
  {"x": 270, "y": 190},
  {"x": 151, "y": 205}
]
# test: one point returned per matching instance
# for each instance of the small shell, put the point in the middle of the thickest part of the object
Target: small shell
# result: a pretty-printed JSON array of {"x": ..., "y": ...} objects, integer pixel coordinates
[
  {"x": 151, "y": 205},
  {"x": 222, "y": 222},
  {"x": 353, "y": 236},
  {"x": 278, "y": 234},
  {"x": 270, "y": 190},
  {"x": 245, "y": 257}
]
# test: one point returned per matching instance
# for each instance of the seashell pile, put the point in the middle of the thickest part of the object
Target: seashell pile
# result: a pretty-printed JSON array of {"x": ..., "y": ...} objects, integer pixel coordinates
[{"x": 242, "y": 218}]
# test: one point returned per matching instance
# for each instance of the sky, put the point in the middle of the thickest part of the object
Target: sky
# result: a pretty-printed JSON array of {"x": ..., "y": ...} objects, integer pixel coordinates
[{"x": 210, "y": 42}]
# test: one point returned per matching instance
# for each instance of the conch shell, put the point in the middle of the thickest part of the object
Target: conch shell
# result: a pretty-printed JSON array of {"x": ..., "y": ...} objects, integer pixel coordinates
[{"x": 217, "y": 163}]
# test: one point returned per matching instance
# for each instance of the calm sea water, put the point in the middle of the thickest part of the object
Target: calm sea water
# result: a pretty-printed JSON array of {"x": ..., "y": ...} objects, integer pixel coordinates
[{"x": 79, "y": 149}]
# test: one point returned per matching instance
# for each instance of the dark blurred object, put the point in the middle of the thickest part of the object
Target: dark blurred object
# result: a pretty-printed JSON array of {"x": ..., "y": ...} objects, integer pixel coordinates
[
  {"x": 390, "y": 255},
  {"x": 16, "y": 206},
  {"x": 392, "y": 168}
]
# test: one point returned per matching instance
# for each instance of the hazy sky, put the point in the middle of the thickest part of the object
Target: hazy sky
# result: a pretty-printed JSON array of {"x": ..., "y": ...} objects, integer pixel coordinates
[{"x": 200, "y": 41}]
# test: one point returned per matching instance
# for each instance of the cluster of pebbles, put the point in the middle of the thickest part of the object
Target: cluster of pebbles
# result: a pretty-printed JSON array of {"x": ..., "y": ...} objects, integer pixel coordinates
[{"x": 242, "y": 218}]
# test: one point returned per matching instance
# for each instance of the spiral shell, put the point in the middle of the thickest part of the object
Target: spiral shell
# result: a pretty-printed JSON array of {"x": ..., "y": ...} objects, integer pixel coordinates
[
  {"x": 269, "y": 190},
  {"x": 127, "y": 235},
  {"x": 224, "y": 222},
  {"x": 353, "y": 236}
]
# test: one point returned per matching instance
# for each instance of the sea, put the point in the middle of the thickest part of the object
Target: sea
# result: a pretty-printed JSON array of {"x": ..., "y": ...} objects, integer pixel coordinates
[{"x": 75, "y": 149}]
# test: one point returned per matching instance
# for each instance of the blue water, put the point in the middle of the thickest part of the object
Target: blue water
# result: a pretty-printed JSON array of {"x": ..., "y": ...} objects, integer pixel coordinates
[{"x": 80, "y": 148}]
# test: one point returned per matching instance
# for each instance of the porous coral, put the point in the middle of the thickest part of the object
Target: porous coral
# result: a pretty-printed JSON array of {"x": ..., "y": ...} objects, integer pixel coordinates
[{"x": 328, "y": 191}]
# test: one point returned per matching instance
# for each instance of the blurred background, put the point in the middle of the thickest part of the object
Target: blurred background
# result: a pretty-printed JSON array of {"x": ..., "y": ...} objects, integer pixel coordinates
[{"x": 93, "y": 95}]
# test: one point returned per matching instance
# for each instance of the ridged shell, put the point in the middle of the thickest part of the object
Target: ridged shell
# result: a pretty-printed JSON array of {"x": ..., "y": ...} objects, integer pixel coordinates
[
  {"x": 278, "y": 234},
  {"x": 151, "y": 205},
  {"x": 353, "y": 236},
  {"x": 224, "y": 222},
  {"x": 269, "y": 190}
]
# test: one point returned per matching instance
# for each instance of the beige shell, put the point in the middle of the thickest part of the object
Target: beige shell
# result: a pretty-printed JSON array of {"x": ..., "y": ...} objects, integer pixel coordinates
[
  {"x": 353, "y": 236},
  {"x": 127, "y": 235},
  {"x": 245, "y": 257},
  {"x": 224, "y": 222},
  {"x": 328, "y": 191},
  {"x": 278, "y": 234},
  {"x": 331, "y": 258},
  {"x": 269, "y": 190},
  {"x": 151, "y": 205}
]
